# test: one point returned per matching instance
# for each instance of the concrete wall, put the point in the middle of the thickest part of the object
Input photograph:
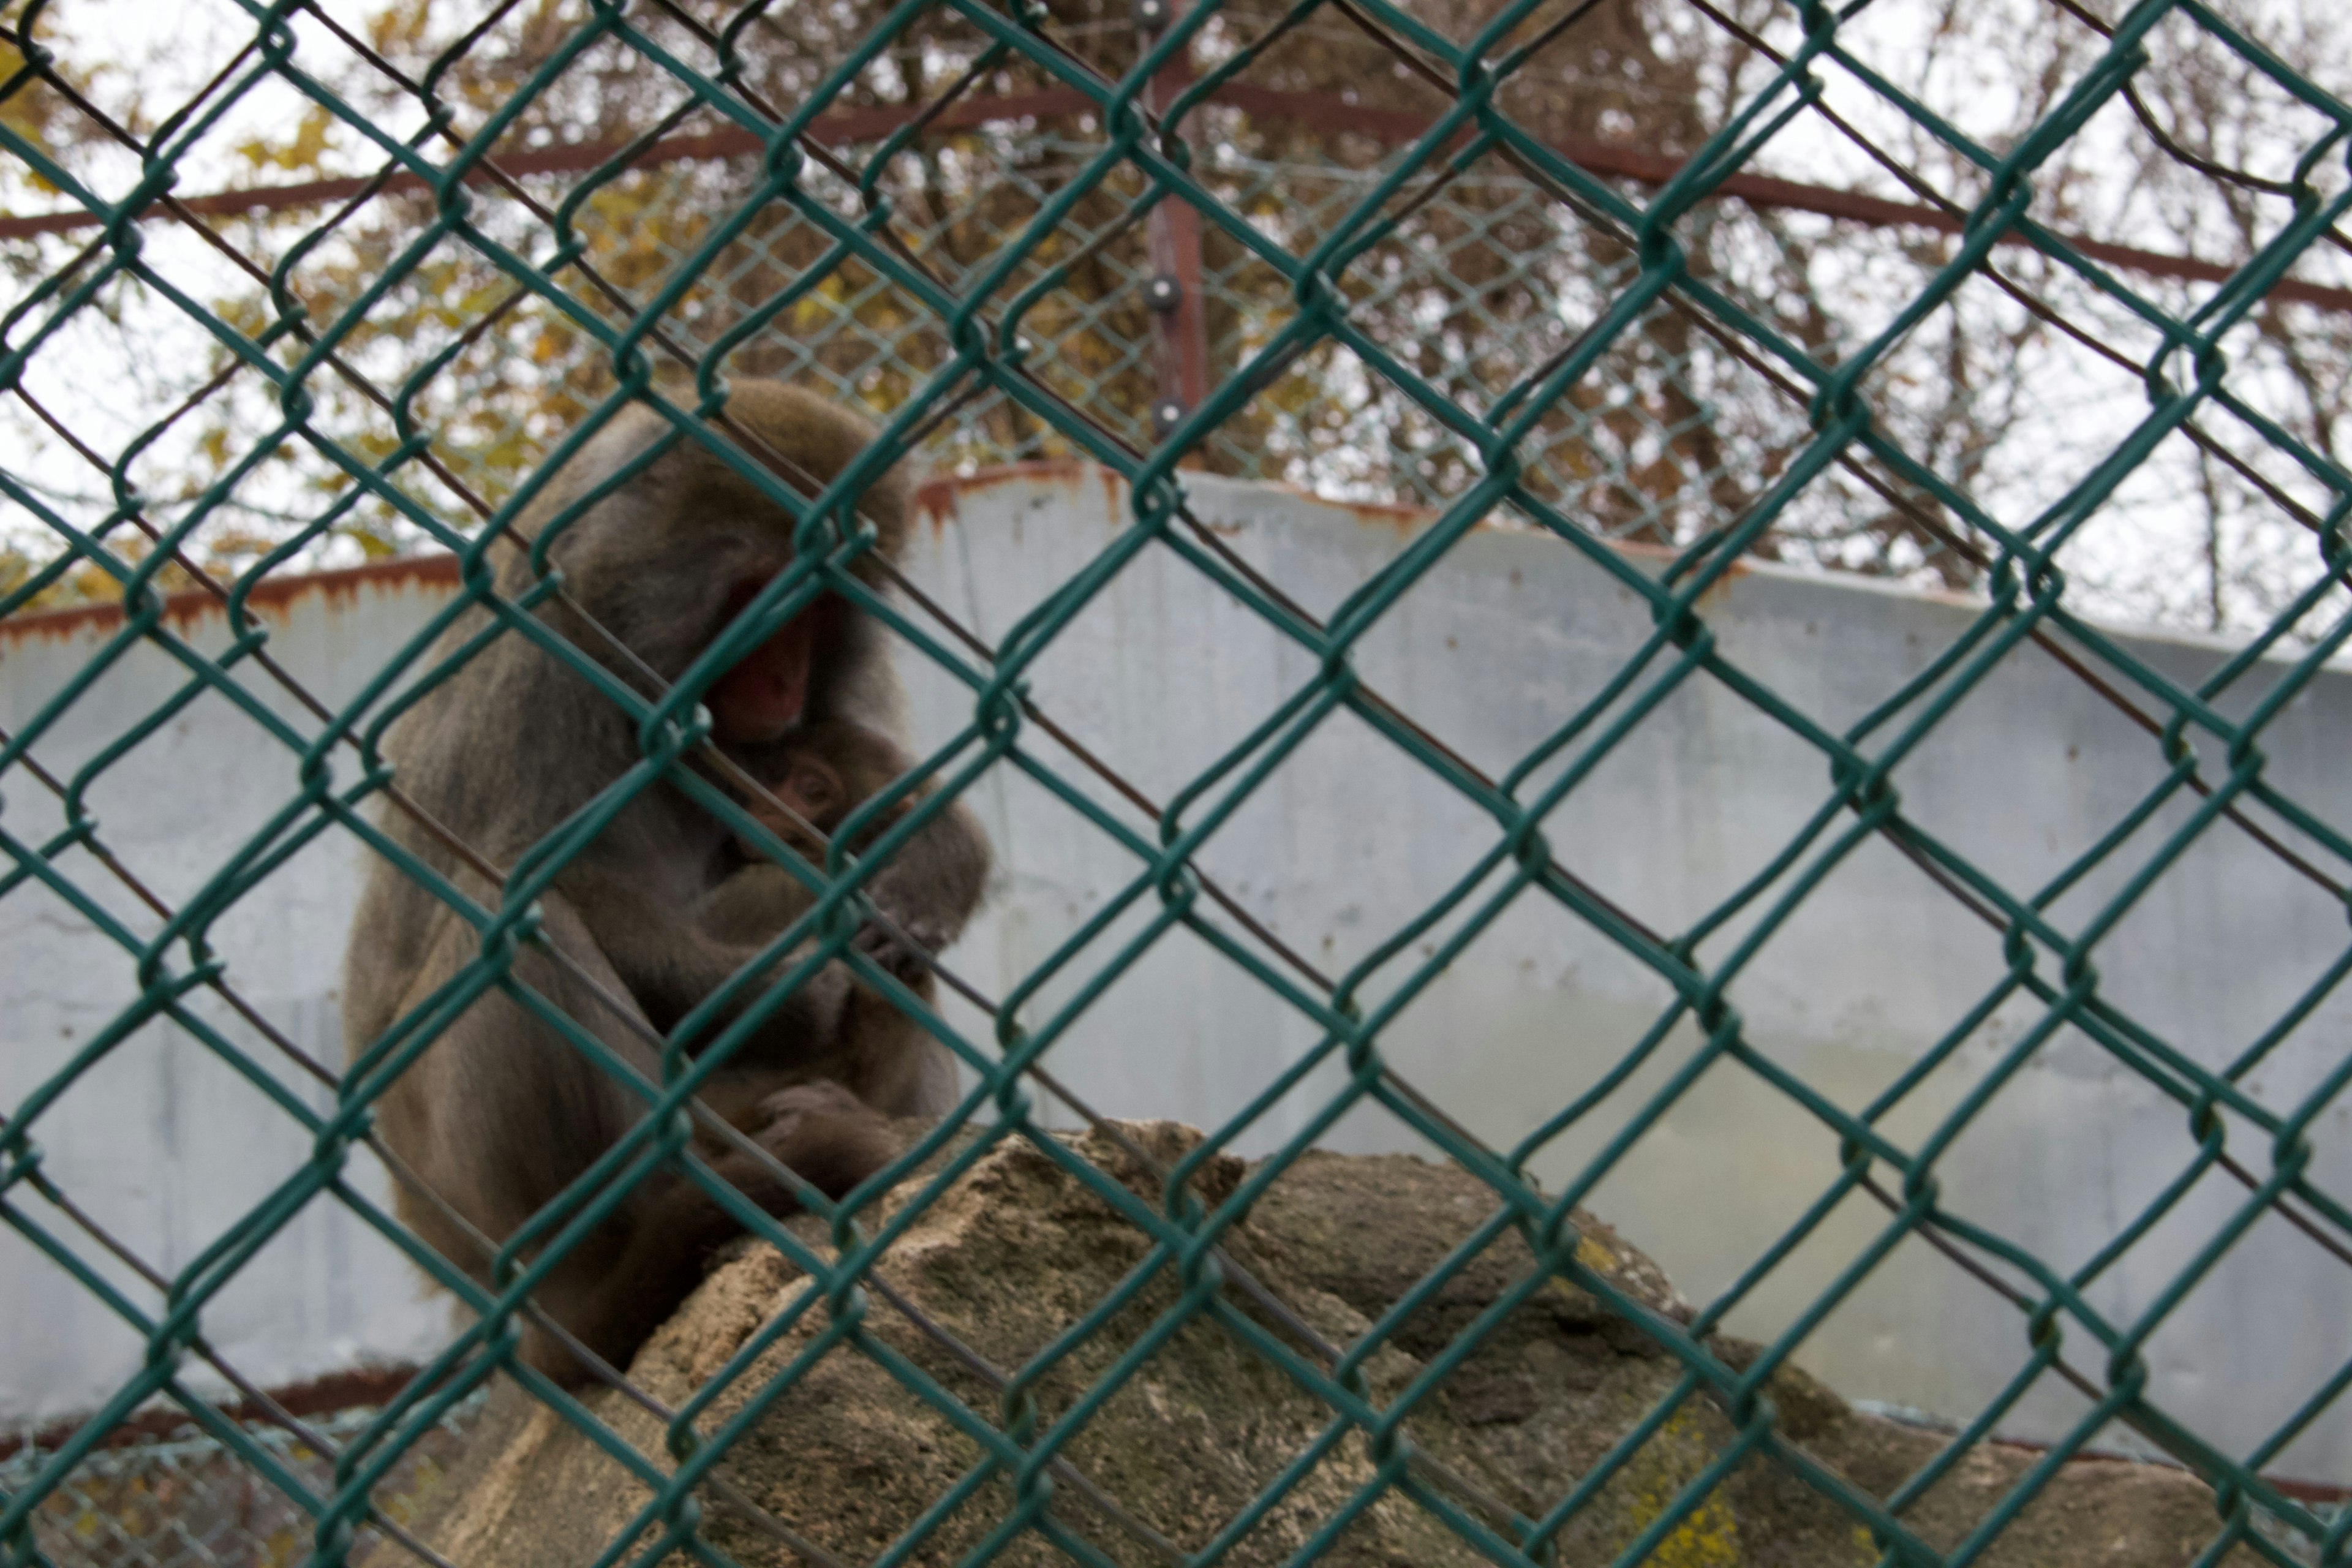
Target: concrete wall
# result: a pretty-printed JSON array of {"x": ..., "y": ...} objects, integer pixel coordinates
[
  {"x": 161, "y": 1142},
  {"x": 1508, "y": 637}
]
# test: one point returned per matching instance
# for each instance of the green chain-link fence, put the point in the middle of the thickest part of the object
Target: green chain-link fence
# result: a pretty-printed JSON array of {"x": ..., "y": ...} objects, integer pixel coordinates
[
  {"x": 1467, "y": 314},
  {"x": 185, "y": 1499}
]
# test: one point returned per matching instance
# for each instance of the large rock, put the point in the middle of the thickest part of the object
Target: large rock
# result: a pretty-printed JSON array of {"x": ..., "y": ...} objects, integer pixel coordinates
[{"x": 1017, "y": 1251}]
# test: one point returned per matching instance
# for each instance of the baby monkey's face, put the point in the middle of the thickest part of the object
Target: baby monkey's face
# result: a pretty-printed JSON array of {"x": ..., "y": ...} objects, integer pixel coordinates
[{"x": 827, "y": 771}]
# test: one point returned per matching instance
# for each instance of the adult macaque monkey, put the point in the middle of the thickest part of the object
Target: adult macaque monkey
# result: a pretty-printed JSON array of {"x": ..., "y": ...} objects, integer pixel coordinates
[{"x": 502, "y": 1112}]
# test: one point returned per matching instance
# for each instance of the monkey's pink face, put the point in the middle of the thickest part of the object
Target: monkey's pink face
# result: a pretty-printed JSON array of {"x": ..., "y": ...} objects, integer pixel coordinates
[{"x": 767, "y": 694}]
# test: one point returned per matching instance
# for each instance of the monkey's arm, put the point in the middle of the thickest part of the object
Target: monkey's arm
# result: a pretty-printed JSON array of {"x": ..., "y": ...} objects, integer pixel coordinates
[
  {"x": 751, "y": 905},
  {"x": 927, "y": 890},
  {"x": 931, "y": 884},
  {"x": 670, "y": 958}
]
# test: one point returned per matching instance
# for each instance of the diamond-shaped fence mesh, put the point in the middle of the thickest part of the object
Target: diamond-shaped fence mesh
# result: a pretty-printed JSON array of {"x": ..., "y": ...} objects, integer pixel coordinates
[
  {"x": 183, "y": 1499},
  {"x": 2045, "y": 311}
]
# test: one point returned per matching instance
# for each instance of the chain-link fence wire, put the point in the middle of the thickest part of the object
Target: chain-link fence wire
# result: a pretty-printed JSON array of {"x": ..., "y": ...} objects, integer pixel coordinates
[
  {"x": 1568, "y": 394},
  {"x": 1479, "y": 277},
  {"x": 1647, "y": 465},
  {"x": 187, "y": 1501}
]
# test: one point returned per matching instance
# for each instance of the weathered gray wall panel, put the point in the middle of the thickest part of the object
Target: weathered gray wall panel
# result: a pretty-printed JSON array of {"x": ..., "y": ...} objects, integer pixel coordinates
[{"x": 1503, "y": 642}]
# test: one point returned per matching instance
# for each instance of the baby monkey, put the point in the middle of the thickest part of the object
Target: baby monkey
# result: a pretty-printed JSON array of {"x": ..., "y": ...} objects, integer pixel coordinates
[{"x": 820, "y": 774}]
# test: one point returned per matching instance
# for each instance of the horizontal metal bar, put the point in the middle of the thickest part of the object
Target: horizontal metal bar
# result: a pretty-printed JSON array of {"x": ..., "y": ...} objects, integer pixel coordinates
[
  {"x": 848, "y": 127},
  {"x": 1610, "y": 159},
  {"x": 358, "y": 1386}
]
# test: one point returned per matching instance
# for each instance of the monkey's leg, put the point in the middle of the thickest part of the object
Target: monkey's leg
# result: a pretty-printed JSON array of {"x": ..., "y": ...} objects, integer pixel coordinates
[
  {"x": 820, "y": 1132},
  {"x": 634, "y": 1271},
  {"x": 927, "y": 891},
  {"x": 892, "y": 1063},
  {"x": 500, "y": 1113}
]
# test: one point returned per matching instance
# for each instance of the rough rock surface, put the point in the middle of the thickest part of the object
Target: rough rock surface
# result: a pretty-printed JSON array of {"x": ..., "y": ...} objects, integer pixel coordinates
[{"x": 1015, "y": 1252}]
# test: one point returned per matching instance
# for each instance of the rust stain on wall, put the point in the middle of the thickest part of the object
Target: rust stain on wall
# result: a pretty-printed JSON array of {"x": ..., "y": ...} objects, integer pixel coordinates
[
  {"x": 939, "y": 500},
  {"x": 273, "y": 597},
  {"x": 1404, "y": 519}
]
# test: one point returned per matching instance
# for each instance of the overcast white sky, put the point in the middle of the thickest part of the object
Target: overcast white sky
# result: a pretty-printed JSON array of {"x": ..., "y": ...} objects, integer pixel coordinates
[{"x": 167, "y": 48}]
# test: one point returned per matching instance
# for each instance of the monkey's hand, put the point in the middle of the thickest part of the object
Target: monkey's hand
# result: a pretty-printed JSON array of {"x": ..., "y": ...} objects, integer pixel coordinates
[
  {"x": 826, "y": 1135},
  {"x": 902, "y": 944},
  {"x": 925, "y": 893}
]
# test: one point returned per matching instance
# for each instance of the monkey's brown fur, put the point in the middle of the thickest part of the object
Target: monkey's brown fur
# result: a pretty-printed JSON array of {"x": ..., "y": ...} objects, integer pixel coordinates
[
  {"x": 824, "y": 772},
  {"x": 502, "y": 1112}
]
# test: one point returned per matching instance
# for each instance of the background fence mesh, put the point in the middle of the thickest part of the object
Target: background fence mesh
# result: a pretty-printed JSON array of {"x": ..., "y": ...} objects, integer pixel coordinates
[{"x": 1794, "y": 281}]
